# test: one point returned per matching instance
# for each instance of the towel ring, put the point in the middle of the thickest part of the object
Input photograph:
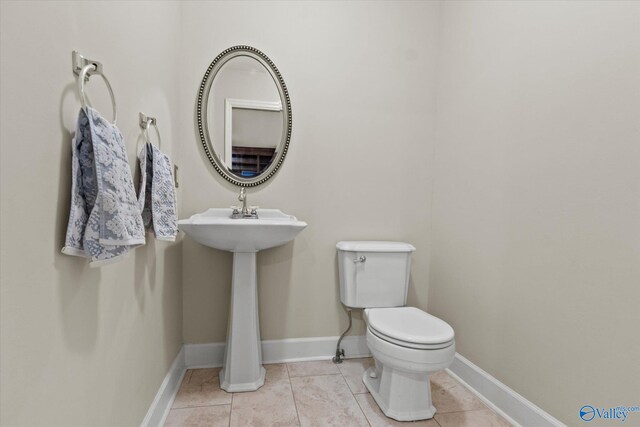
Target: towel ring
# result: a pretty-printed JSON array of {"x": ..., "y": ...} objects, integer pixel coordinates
[
  {"x": 86, "y": 71},
  {"x": 145, "y": 123}
]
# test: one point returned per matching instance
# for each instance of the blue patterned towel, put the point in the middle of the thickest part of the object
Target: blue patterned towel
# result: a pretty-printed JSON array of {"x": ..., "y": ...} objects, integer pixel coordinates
[
  {"x": 105, "y": 220},
  {"x": 157, "y": 198}
]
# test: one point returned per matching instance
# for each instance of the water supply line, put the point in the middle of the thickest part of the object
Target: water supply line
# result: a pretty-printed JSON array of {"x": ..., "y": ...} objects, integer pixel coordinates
[{"x": 340, "y": 352}]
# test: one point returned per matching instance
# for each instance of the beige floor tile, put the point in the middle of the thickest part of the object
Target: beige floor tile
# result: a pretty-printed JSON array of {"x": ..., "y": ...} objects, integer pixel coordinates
[
  {"x": 317, "y": 367},
  {"x": 276, "y": 371},
  {"x": 352, "y": 370},
  {"x": 201, "y": 389},
  {"x": 204, "y": 395},
  {"x": 448, "y": 395},
  {"x": 326, "y": 400},
  {"x": 270, "y": 405},
  {"x": 480, "y": 418},
  {"x": 377, "y": 419},
  {"x": 204, "y": 376},
  {"x": 442, "y": 379},
  {"x": 209, "y": 416}
]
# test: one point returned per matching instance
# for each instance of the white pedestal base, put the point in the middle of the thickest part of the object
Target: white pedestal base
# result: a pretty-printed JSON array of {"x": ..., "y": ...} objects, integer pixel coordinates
[{"x": 243, "y": 369}]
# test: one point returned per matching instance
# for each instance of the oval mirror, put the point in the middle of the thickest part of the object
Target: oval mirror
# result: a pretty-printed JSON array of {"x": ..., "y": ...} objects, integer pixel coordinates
[{"x": 244, "y": 116}]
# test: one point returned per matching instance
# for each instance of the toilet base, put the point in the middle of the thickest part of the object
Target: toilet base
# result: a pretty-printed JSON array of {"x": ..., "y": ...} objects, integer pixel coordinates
[{"x": 400, "y": 395}]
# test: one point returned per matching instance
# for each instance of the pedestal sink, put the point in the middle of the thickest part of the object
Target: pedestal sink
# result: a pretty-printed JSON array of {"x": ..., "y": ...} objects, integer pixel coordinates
[{"x": 242, "y": 369}]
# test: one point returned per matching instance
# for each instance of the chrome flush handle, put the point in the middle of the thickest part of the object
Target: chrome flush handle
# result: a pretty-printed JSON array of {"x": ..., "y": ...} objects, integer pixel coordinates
[{"x": 361, "y": 259}]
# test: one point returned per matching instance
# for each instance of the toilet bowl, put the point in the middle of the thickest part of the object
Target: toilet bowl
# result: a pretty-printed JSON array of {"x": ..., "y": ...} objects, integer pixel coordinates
[{"x": 407, "y": 344}]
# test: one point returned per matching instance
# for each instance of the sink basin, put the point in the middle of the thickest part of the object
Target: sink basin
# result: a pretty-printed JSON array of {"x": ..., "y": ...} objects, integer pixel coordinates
[
  {"x": 243, "y": 370},
  {"x": 216, "y": 229}
]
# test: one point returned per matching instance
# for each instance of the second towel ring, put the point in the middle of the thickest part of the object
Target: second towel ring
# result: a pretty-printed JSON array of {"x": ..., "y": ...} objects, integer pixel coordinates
[
  {"x": 92, "y": 69},
  {"x": 145, "y": 123}
]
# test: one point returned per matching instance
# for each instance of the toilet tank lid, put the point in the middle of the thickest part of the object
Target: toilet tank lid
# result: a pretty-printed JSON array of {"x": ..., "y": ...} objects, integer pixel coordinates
[{"x": 374, "y": 246}]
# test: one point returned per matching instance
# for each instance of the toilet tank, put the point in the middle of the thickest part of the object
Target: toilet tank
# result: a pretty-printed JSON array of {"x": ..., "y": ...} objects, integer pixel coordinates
[{"x": 374, "y": 274}]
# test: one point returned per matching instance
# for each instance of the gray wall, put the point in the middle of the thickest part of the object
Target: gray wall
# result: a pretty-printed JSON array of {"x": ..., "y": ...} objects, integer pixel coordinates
[
  {"x": 532, "y": 180},
  {"x": 536, "y": 208},
  {"x": 362, "y": 86},
  {"x": 80, "y": 346}
]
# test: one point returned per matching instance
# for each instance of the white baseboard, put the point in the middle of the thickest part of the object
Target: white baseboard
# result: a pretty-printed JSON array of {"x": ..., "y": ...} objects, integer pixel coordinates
[
  {"x": 513, "y": 407},
  {"x": 279, "y": 351},
  {"x": 161, "y": 404},
  {"x": 506, "y": 402},
  {"x": 317, "y": 348}
]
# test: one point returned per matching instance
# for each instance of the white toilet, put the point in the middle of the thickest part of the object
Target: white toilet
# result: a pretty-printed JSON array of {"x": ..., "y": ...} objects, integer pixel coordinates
[{"x": 406, "y": 343}]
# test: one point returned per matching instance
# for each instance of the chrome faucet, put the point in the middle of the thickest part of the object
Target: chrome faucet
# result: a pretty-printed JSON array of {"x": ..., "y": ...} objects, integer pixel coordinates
[
  {"x": 244, "y": 212},
  {"x": 243, "y": 198}
]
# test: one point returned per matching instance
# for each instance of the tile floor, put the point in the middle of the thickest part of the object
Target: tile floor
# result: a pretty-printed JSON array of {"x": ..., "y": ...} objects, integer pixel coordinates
[{"x": 315, "y": 394}]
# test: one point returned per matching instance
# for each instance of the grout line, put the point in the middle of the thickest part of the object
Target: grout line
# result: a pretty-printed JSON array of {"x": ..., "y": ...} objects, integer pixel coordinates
[
  {"x": 470, "y": 410},
  {"x": 230, "y": 405},
  {"x": 457, "y": 412},
  {"x": 353, "y": 396},
  {"x": 362, "y": 410},
  {"x": 295, "y": 405},
  {"x": 316, "y": 375},
  {"x": 200, "y": 406}
]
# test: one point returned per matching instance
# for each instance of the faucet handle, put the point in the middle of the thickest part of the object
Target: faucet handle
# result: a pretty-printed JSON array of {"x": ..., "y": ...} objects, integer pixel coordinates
[
  {"x": 254, "y": 210},
  {"x": 235, "y": 208}
]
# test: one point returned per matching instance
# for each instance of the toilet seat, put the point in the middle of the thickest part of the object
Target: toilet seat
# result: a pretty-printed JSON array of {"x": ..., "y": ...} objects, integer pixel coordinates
[{"x": 409, "y": 327}]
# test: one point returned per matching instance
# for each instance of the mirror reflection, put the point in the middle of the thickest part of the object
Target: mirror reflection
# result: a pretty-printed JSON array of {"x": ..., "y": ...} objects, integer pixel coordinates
[{"x": 246, "y": 116}]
